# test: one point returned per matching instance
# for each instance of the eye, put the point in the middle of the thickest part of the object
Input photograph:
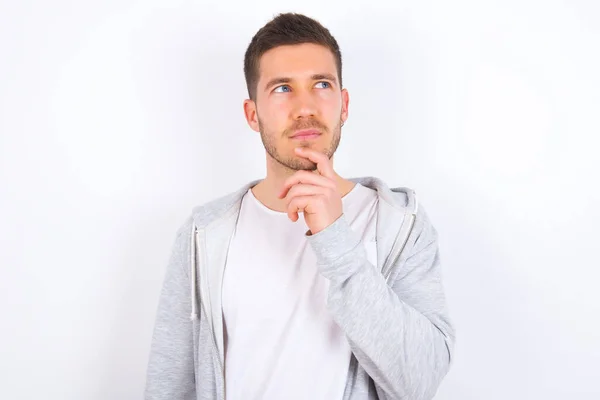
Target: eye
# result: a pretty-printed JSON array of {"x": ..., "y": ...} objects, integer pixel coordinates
[
  {"x": 327, "y": 84},
  {"x": 276, "y": 90}
]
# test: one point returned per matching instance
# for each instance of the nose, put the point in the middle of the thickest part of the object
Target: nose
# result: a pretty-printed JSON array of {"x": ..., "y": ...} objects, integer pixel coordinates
[{"x": 304, "y": 105}]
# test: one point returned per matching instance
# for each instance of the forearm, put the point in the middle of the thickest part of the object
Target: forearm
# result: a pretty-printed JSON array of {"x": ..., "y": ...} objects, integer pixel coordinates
[{"x": 401, "y": 348}]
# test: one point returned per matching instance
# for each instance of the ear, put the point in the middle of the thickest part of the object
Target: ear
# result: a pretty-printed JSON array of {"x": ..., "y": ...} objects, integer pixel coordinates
[
  {"x": 251, "y": 115},
  {"x": 345, "y": 103}
]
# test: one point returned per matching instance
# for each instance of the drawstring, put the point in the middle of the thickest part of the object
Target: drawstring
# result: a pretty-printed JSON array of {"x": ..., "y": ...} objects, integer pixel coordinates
[
  {"x": 193, "y": 245},
  {"x": 416, "y": 209}
]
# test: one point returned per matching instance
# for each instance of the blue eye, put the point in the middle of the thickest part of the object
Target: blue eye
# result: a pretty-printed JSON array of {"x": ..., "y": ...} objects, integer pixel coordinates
[
  {"x": 326, "y": 83},
  {"x": 281, "y": 87}
]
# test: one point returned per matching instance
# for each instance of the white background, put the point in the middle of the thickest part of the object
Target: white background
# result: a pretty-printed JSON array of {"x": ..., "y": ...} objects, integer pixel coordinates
[{"x": 117, "y": 117}]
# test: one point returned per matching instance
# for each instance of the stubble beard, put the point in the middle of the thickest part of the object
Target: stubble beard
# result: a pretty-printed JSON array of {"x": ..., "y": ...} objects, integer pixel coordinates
[{"x": 296, "y": 163}]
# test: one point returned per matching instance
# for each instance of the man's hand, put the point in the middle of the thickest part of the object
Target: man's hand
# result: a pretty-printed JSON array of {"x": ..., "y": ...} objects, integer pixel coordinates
[{"x": 314, "y": 194}]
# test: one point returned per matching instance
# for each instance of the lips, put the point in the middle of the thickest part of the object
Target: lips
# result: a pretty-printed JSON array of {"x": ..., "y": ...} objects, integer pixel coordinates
[{"x": 306, "y": 134}]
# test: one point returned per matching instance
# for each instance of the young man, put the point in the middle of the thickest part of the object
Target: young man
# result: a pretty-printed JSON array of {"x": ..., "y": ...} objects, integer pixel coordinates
[{"x": 303, "y": 285}]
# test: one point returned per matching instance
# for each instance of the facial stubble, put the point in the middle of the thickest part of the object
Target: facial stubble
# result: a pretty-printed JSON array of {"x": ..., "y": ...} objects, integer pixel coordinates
[{"x": 296, "y": 163}]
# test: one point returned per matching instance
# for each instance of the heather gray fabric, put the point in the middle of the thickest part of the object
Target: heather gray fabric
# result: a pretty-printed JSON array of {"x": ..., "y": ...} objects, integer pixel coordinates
[{"x": 394, "y": 314}]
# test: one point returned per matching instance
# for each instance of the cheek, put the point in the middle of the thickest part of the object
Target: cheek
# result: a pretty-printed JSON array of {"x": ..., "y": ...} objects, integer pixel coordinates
[
  {"x": 330, "y": 105},
  {"x": 281, "y": 109},
  {"x": 274, "y": 115},
  {"x": 278, "y": 110}
]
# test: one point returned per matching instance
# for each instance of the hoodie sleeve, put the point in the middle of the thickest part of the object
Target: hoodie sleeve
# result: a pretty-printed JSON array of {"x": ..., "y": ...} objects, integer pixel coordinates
[
  {"x": 170, "y": 372},
  {"x": 399, "y": 331}
]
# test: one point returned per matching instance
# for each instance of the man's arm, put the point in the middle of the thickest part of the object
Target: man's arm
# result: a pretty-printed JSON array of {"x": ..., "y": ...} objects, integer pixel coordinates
[
  {"x": 170, "y": 373},
  {"x": 399, "y": 332}
]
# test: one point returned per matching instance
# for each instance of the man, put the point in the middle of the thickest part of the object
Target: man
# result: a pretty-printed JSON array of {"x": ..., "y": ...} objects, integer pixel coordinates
[{"x": 303, "y": 285}]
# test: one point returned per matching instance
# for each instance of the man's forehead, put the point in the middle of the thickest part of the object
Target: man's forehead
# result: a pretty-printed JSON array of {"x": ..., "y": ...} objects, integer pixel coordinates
[{"x": 296, "y": 62}]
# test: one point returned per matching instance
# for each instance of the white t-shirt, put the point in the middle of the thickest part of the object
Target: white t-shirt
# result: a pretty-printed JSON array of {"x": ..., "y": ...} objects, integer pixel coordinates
[{"x": 281, "y": 342}]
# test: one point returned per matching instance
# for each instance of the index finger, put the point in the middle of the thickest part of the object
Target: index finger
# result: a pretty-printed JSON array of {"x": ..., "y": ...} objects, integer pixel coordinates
[{"x": 323, "y": 163}]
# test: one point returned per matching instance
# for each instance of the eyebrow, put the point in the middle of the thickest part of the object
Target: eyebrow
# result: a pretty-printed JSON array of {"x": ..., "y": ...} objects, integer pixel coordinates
[{"x": 315, "y": 77}]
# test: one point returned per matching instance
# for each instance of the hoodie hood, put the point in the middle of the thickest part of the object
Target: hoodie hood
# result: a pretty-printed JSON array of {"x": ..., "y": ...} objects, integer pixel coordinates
[{"x": 400, "y": 198}]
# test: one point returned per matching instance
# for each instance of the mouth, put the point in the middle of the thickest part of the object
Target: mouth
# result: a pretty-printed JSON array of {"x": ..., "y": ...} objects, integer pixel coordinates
[{"x": 306, "y": 134}]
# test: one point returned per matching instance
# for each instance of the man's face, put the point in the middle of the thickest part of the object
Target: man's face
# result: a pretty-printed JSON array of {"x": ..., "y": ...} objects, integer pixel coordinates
[{"x": 298, "y": 92}]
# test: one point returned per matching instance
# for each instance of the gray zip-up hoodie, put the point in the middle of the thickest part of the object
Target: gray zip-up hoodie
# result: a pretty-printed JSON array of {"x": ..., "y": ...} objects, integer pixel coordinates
[{"x": 394, "y": 314}]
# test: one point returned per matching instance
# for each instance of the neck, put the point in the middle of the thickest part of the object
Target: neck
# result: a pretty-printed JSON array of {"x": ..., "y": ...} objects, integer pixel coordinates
[{"x": 266, "y": 191}]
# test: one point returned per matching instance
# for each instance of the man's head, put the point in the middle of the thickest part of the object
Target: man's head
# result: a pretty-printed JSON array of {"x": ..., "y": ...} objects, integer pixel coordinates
[{"x": 293, "y": 69}]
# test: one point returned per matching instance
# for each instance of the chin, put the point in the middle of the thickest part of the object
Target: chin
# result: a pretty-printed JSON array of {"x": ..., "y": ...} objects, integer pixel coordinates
[{"x": 299, "y": 163}]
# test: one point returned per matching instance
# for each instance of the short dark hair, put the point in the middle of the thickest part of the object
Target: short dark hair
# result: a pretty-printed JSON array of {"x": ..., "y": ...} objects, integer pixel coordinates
[{"x": 286, "y": 29}]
